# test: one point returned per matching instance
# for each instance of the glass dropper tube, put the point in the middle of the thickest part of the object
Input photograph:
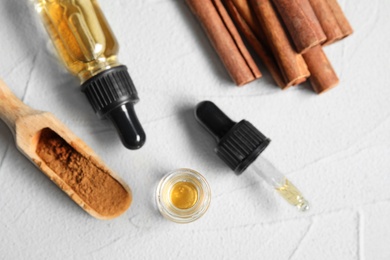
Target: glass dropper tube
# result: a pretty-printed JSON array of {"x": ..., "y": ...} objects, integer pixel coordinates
[
  {"x": 240, "y": 146},
  {"x": 273, "y": 177}
]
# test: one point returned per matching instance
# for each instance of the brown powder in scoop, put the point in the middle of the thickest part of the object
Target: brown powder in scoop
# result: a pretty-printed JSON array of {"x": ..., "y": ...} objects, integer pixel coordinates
[{"x": 96, "y": 187}]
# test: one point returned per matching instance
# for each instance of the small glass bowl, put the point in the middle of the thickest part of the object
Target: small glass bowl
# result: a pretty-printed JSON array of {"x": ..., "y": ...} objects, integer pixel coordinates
[{"x": 163, "y": 196}]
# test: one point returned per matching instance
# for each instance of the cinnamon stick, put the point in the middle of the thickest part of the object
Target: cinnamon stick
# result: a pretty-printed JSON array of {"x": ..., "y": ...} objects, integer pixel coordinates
[
  {"x": 328, "y": 21},
  {"x": 323, "y": 77},
  {"x": 226, "y": 40},
  {"x": 243, "y": 8},
  {"x": 247, "y": 13},
  {"x": 244, "y": 19},
  {"x": 291, "y": 64},
  {"x": 338, "y": 13},
  {"x": 301, "y": 23}
]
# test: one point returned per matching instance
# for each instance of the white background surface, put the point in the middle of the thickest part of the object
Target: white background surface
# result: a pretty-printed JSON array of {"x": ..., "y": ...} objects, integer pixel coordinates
[{"x": 334, "y": 147}]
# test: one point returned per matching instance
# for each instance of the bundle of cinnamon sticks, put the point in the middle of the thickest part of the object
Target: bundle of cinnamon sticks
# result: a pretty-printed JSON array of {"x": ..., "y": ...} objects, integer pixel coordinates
[{"x": 287, "y": 35}]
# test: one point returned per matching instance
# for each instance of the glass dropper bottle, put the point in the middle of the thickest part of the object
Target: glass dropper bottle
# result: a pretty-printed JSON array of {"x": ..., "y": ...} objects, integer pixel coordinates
[
  {"x": 88, "y": 48},
  {"x": 240, "y": 145}
]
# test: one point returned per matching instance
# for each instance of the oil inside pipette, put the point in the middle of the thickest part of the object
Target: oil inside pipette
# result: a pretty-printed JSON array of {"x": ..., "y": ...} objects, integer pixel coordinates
[{"x": 292, "y": 195}]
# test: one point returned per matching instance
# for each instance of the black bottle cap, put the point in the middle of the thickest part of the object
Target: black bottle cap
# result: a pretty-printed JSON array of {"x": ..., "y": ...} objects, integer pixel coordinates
[
  {"x": 112, "y": 95},
  {"x": 239, "y": 144}
]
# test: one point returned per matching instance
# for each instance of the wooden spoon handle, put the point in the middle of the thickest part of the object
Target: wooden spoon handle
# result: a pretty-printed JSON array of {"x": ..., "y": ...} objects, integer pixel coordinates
[{"x": 12, "y": 108}]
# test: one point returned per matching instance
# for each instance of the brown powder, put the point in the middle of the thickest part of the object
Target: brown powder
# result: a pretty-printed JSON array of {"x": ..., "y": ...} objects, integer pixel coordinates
[{"x": 96, "y": 187}]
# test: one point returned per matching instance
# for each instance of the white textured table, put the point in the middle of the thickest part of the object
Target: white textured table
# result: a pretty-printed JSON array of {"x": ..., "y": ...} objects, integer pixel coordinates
[{"x": 335, "y": 147}]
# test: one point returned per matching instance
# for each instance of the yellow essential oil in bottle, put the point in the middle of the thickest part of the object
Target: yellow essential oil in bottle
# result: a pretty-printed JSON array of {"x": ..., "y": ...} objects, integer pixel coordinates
[
  {"x": 88, "y": 48},
  {"x": 81, "y": 35},
  {"x": 184, "y": 195}
]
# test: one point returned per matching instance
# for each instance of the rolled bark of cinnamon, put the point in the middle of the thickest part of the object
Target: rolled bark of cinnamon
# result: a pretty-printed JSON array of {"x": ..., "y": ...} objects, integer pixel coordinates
[
  {"x": 244, "y": 19},
  {"x": 338, "y": 13},
  {"x": 226, "y": 40},
  {"x": 301, "y": 22},
  {"x": 323, "y": 76},
  {"x": 291, "y": 64},
  {"x": 243, "y": 8},
  {"x": 328, "y": 21}
]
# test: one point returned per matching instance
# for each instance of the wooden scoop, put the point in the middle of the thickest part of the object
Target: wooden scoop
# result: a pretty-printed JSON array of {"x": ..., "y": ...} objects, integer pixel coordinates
[{"x": 64, "y": 158}]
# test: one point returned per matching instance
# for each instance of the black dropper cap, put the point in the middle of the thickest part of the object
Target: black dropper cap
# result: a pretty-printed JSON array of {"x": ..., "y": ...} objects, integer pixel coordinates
[
  {"x": 239, "y": 144},
  {"x": 112, "y": 95}
]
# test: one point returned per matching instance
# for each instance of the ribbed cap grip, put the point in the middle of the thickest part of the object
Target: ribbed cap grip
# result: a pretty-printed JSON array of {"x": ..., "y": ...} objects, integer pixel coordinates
[
  {"x": 241, "y": 146},
  {"x": 110, "y": 89}
]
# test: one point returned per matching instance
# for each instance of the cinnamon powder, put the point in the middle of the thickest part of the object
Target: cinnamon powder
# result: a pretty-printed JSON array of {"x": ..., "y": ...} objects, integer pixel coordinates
[{"x": 95, "y": 186}]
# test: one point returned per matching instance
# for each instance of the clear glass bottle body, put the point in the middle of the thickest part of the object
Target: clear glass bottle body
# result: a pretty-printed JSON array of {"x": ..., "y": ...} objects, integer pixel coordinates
[{"x": 81, "y": 35}]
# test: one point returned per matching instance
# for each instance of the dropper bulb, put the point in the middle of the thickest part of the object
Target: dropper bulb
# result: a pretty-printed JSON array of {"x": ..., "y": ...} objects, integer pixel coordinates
[
  {"x": 213, "y": 119},
  {"x": 112, "y": 95},
  {"x": 128, "y": 126}
]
